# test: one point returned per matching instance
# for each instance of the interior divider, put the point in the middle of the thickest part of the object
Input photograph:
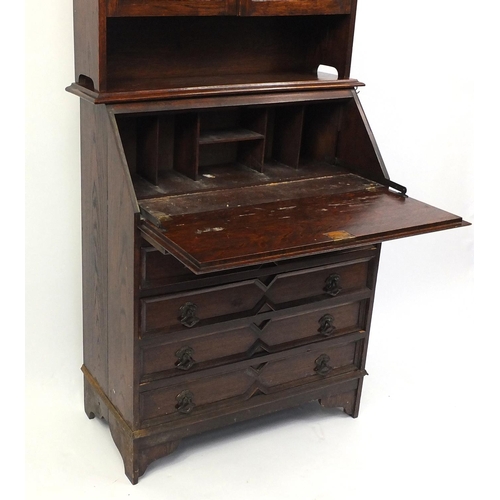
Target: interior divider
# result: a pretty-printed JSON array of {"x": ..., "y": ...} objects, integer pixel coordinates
[
  {"x": 257, "y": 137},
  {"x": 186, "y": 142},
  {"x": 148, "y": 148},
  {"x": 288, "y": 122}
]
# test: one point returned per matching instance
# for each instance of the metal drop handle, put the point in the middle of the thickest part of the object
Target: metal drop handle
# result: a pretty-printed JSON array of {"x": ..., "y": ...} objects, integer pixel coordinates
[
  {"x": 185, "y": 359},
  {"x": 185, "y": 403},
  {"x": 332, "y": 286},
  {"x": 188, "y": 314},
  {"x": 326, "y": 326},
  {"x": 322, "y": 366}
]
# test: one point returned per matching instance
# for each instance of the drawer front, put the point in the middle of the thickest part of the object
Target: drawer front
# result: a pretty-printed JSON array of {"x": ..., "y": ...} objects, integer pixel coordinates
[
  {"x": 165, "y": 272},
  {"x": 267, "y": 375},
  {"x": 329, "y": 281},
  {"x": 199, "y": 351},
  {"x": 183, "y": 311},
  {"x": 169, "y": 313}
]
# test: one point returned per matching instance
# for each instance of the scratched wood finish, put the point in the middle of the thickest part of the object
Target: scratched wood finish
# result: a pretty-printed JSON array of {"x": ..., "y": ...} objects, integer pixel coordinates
[
  {"x": 264, "y": 232},
  {"x": 248, "y": 196}
]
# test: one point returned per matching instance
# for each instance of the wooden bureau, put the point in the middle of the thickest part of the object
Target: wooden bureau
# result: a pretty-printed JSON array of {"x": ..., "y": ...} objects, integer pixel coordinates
[{"x": 233, "y": 210}]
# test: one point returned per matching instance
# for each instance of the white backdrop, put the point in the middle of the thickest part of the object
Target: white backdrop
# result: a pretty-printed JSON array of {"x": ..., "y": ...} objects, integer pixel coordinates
[{"x": 425, "y": 421}]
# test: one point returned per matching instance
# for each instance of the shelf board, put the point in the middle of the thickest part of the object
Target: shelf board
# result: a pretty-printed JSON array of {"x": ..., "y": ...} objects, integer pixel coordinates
[
  {"x": 229, "y": 176},
  {"x": 225, "y": 136}
]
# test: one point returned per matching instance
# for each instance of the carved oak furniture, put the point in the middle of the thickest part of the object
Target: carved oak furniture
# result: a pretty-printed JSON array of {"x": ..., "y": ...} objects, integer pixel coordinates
[{"x": 233, "y": 206}]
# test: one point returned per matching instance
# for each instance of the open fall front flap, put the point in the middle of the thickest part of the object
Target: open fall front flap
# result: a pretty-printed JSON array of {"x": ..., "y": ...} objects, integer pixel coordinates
[{"x": 309, "y": 220}]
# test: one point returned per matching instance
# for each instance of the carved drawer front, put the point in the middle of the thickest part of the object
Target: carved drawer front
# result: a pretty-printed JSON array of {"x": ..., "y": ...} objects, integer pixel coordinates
[
  {"x": 266, "y": 375},
  {"x": 325, "y": 281},
  {"x": 198, "y": 351},
  {"x": 170, "y": 313}
]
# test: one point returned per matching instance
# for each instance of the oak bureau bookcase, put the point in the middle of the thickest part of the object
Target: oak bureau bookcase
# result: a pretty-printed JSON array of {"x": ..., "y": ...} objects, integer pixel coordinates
[{"x": 233, "y": 209}]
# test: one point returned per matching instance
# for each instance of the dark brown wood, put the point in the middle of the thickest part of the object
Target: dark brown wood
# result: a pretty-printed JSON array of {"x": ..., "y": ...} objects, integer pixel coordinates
[
  {"x": 298, "y": 7},
  {"x": 287, "y": 136},
  {"x": 169, "y": 8},
  {"x": 233, "y": 209},
  {"x": 240, "y": 236},
  {"x": 258, "y": 337},
  {"x": 186, "y": 151},
  {"x": 225, "y": 85},
  {"x": 90, "y": 43}
]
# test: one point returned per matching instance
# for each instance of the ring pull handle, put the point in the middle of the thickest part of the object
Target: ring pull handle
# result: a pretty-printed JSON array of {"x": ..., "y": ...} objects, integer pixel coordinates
[
  {"x": 326, "y": 325},
  {"x": 185, "y": 358},
  {"x": 322, "y": 367},
  {"x": 332, "y": 286},
  {"x": 185, "y": 402},
  {"x": 188, "y": 314}
]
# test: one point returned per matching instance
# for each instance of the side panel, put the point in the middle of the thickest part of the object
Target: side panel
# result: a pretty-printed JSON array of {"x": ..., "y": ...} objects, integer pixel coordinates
[
  {"x": 123, "y": 262},
  {"x": 94, "y": 242},
  {"x": 90, "y": 43},
  {"x": 356, "y": 146}
]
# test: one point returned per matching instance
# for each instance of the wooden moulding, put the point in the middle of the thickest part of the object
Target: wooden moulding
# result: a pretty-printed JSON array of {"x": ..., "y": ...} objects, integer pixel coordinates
[{"x": 189, "y": 87}]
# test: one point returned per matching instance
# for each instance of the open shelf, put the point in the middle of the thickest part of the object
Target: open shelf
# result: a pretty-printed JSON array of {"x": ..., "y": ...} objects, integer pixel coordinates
[
  {"x": 224, "y": 136},
  {"x": 225, "y": 145},
  {"x": 141, "y": 58}
]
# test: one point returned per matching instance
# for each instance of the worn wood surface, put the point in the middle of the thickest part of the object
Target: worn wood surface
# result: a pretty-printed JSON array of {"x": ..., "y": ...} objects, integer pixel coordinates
[{"x": 234, "y": 237}]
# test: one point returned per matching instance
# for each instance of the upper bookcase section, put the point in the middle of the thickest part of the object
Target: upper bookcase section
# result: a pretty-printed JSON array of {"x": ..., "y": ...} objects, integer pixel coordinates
[{"x": 130, "y": 50}]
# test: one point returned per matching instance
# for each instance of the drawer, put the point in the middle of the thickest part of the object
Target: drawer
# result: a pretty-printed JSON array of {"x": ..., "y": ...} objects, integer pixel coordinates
[
  {"x": 170, "y": 313},
  {"x": 196, "y": 351},
  {"x": 268, "y": 375},
  {"x": 165, "y": 272},
  {"x": 174, "y": 312}
]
